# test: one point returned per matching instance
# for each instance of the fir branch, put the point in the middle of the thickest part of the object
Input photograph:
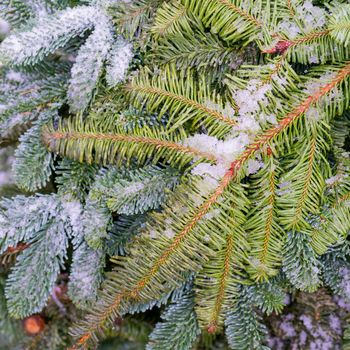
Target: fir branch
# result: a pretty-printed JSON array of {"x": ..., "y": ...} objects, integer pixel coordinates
[
  {"x": 244, "y": 329},
  {"x": 136, "y": 191},
  {"x": 226, "y": 17},
  {"x": 339, "y": 24},
  {"x": 303, "y": 195},
  {"x": 216, "y": 283},
  {"x": 183, "y": 97},
  {"x": 87, "y": 332},
  {"x": 171, "y": 18},
  {"x": 34, "y": 164},
  {"x": 178, "y": 329},
  {"x": 291, "y": 8},
  {"x": 85, "y": 142},
  {"x": 299, "y": 262},
  {"x": 212, "y": 316},
  {"x": 265, "y": 234}
]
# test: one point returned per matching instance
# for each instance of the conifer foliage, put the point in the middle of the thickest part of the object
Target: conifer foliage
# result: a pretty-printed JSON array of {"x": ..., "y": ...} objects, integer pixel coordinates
[{"x": 186, "y": 155}]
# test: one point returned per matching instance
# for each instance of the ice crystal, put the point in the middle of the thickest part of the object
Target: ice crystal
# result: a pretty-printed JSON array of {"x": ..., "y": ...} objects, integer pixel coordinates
[
  {"x": 118, "y": 63},
  {"x": 334, "y": 179},
  {"x": 225, "y": 151},
  {"x": 216, "y": 171},
  {"x": 253, "y": 166},
  {"x": 4, "y": 27}
]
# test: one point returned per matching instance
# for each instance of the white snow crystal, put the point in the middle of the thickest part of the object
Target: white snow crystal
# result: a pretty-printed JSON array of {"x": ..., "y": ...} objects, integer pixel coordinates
[
  {"x": 314, "y": 85},
  {"x": 313, "y": 114},
  {"x": 332, "y": 180},
  {"x": 169, "y": 233},
  {"x": 14, "y": 76},
  {"x": 314, "y": 59},
  {"x": 212, "y": 214},
  {"x": 4, "y": 27},
  {"x": 253, "y": 166},
  {"x": 216, "y": 171},
  {"x": 247, "y": 123},
  {"x": 118, "y": 63},
  {"x": 134, "y": 187},
  {"x": 289, "y": 28},
  {"x": 202, "y": 142},
  {"x": 73, "y": 210},
  {"x": 312, "y": 16},
  {"x": 225, "y": 151},
  {"x": 153, "y": 233},
  {"x": 228, "y": 111},
  {"x": 3, "y": 108}
]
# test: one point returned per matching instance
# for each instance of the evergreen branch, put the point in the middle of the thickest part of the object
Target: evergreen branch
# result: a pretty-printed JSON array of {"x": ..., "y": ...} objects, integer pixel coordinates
[
  {"x": 136, "y": 191},
  {"x": 178, "y": 329},
  {"x": 184, "y": 97},
  {"x": 244, "y": 329},
  {"x": 178, "y": 98},
  {"x": 312, "y": 47},
  {"x": 246, "y": 15},
  {"x": 31, "y": 47},
  {"x": 74, "y": 178},
  {"x": 134, "y": 18},
  {"x": 216, "y": 283},
  {"x": 22, "y": 285},
  {"x": 15, "y": 11},
  {"x": 188, "y": 44},
  {"x": 227, "y": 18},
  {"x": 323, "y": 237},
  {"x": 213, "y": 323},
  {"x": 198, "y": 50},
  {"x": 333, "y": 223},
  {"x": 309, "y": 37},
  {"x": 278, "y": 65},
  {"x": 306, "y": 189},
  {"x": 85, "y": 142},
  {"x": 307, "y": 183},
  {"x": 299, "y": 262},
  {"x": 268, "y": 227},
  {"x": 261, "y": 141},
  {"x": 15, "y": 227},
  {"x": 333, "y": 228},
  {"x": 340, "y": 200},
  {"x": 339, "y": 24},
  {"x": 265, "y": 235},
  {"x": 212, "y": 315},
  {"x": 86, "y": 269},
  {"x": 171, "y": 18},
  {"x": 34, "y": 164},
  {"x": 126, "y": 295}
]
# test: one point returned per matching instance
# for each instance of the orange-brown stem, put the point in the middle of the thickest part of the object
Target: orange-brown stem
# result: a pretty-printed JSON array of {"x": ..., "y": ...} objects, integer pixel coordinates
[{"x": 73, "y": 135}]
